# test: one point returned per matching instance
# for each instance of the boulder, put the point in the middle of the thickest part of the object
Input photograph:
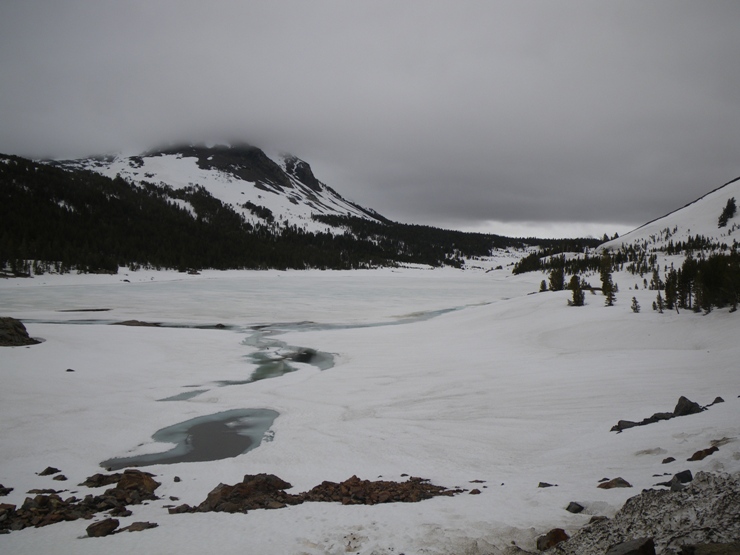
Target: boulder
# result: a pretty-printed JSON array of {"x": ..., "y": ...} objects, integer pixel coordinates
[
  {"x": 685, "y": 407},
  {"x": 551, "y": 539},
  {"x": 49, "y": 470},
  {"x": 13, "y": 333},
  {"x": 574, "y": 507},
  {"x": 138, "y": 481},
  {"x": 703, "y": 454},
  {"x": 102, "y": 528},
  {"x": 615, "y": 483}
]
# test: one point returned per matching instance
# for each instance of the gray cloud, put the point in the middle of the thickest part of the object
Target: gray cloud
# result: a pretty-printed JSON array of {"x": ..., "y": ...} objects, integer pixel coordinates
[{"x": 450, "y": 113}]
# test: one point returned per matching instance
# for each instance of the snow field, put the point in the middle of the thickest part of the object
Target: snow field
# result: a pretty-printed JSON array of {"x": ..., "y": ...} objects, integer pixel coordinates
[{"x": 514, "y": 389}]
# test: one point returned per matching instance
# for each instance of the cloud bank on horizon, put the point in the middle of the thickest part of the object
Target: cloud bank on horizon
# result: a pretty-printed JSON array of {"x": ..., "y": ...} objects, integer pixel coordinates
[{"x": 463, "y": 114}]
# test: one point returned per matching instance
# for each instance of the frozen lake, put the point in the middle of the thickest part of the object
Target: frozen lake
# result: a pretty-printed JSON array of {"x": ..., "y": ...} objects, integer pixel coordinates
[{"x": 462, "y": 377}]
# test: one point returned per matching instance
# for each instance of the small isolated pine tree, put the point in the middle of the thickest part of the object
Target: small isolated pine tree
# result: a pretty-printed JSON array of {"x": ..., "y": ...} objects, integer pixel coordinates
[
  {"x": 543, "y": 286},
  {"x": 607, "y": 287},
  {"x": 635, "y": 305},
  {"x": 579, "y": 297}
]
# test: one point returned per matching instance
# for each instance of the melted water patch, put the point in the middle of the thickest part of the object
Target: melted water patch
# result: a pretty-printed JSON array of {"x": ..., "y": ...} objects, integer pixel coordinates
[{"x": 206, "y": 438}]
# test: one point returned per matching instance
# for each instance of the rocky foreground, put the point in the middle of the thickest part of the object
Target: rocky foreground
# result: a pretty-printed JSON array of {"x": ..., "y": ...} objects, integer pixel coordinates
[{"x": 703, "y": 519}]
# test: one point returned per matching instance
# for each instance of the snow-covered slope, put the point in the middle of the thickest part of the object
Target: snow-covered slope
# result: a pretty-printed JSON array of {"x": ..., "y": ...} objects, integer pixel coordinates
[
  {"x": 284, "y": 184},
  {"x": 697, "y": 218}
]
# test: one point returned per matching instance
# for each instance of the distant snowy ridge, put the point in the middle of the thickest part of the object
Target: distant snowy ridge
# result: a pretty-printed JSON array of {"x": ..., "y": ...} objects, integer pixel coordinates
[
  {"x": 236, "y": 175},
  {"x": 699, "y": 217}
]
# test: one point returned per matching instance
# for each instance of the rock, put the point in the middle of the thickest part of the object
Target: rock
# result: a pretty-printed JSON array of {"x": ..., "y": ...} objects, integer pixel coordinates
[
  {"x": 60, "y": 478},
  {"x": 475, "y": 491},
  {"x": 139, "y": 527},
  {"x": 574, "y": 507},
  {"x": 624, "y": 425},
  {"x": 685, "y": 407},
  {"x": 177, "y": 479},
  {"x": 49, "y": 470},
  {"x": 102, "y": 528},
  {"x": 668, "y": 460},
  {"x": 99, "y": 480},
  {"x": 640, "y": 546},
  {"x": 4, "y": 491},
  {"x": 551, "y": 539},
  {"x": 615, "y": 483},
  {"x": 545, "y": 485},
  {"x": 14, "y": 334},
  {"x": 711, "y": 549},
  {"x": 138, "y": 481},
  {"x": 716, "y": 400},
  {"x": 706, "y": 511},
  {"x": 676, "y": 483},
  {"x": 703, "y": 454}
]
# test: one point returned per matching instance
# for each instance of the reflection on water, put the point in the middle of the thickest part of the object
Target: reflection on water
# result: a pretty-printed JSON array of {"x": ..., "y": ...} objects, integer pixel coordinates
[{"x": 206, "y": 438}]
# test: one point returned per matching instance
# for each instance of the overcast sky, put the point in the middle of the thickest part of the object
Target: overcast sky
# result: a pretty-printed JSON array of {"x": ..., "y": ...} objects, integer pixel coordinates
[{"x": 508, "y": 117}]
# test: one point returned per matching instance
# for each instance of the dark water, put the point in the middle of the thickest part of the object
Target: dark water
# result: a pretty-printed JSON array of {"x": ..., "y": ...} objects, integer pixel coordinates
[{"x": 206, "y": 438}]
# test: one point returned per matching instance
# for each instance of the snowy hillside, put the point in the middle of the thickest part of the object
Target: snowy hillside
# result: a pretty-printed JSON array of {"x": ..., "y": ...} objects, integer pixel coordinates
[
  {"x": 236, "y": 175},
  {"x": 697, "y": 218}
]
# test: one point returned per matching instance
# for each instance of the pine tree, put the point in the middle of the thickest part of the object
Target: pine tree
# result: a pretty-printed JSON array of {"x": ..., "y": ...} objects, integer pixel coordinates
[
  {"x": 557, "y": 279},
  {"x": 635, "y": 305},
  {"x": 579, "y": 297},
  {"x": 727, "y": 213},
  {"x": 607, "y": 287},
  {"x": 659, "y": 304}
]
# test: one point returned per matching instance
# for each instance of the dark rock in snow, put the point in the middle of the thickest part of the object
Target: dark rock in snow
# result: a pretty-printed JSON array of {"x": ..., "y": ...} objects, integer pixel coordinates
[
  {"x": 48, "y": 471},
  {"x": 102, "y": 528},
  {"x": 668, "y": 460},
  {"x": 99, "y": 480},
  {"x": 685, "y": 407},
  {"x": 545, "y": 485},
  {"x": 14, "y": 334},
  {"x": 703, "y": 454},
  {"x": 4, "y": 491},
  {"x": 716, "y": 400},
  {"x": 615, "y": 483},
  {"x": 138, "y": 527},
  {"x": 640, "y": 546},
  {"x": 551, "y": 539},
  {"x": 475, "y": 491},
  {"x": 574, "y": 507}
]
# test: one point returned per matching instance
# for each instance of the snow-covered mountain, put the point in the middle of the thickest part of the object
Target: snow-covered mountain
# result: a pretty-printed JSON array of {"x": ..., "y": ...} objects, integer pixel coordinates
[
  {"x": 698, "y": 218},
  {"x": 235, "y": 174}
]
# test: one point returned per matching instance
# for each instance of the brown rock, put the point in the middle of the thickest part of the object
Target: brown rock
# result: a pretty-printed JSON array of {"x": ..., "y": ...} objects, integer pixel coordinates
[
  {"x": 668, "y": 460},
  {"x": 475, "y": 491},
  {"x": 139, "y": 527},
  {"x": 615, "y": 483},
  {"x": 136, "y": 480},
  {"x": 551, "y": 539},
  {"x": 703, "y": 454},
  {"x": 102, "y": 528}
]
